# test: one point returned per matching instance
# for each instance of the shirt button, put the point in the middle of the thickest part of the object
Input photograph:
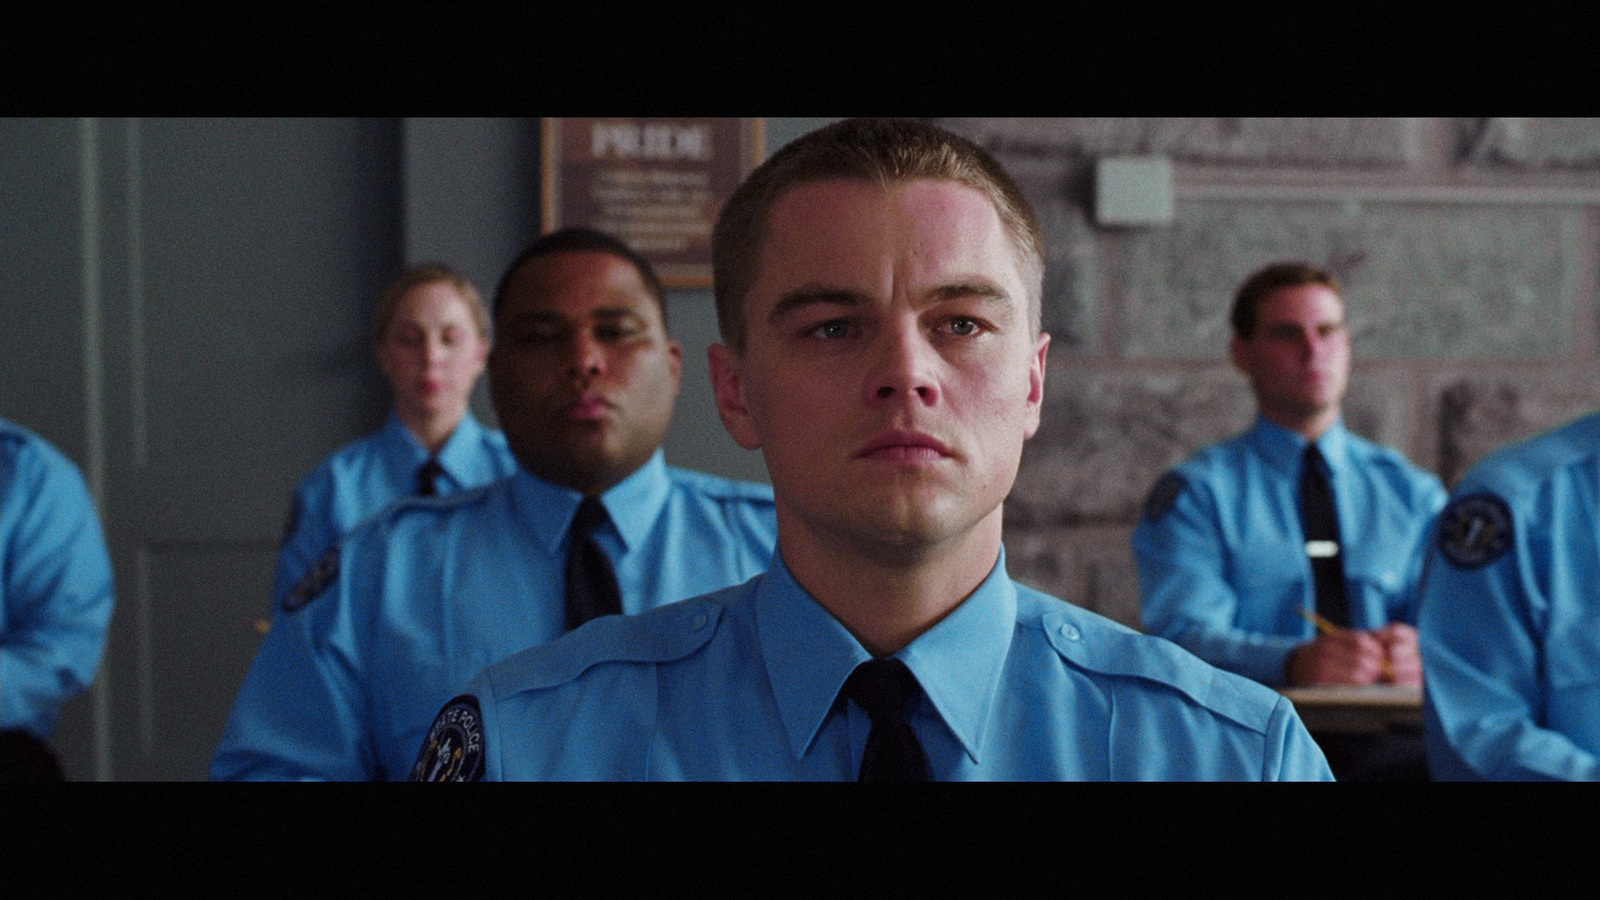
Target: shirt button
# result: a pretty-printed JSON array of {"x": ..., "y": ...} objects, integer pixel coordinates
[
  {"x": 1070, "y": 633},
  {"x": 699, "y": 621}
]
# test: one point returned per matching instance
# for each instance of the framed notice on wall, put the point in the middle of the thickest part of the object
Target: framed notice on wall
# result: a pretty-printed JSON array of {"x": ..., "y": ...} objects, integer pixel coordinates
[{"x": 657, "y": 184}]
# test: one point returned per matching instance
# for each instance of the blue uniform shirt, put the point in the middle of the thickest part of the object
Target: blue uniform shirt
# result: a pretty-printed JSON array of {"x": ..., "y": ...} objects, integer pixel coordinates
[
  {"x": 1221, "y": 552},
  {"x": 745, "y": 684},
  {"x": 1510, "y": 622},
  {"x": 55, "y": 582},
  {"x": 422, "y": 597},
  {"x": 363, "y": 478}
]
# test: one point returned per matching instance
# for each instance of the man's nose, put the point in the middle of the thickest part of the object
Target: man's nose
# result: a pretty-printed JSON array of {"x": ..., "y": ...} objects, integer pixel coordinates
[
  {"x": 904, "y": 366},
  {"x": 585, "y": 355}
]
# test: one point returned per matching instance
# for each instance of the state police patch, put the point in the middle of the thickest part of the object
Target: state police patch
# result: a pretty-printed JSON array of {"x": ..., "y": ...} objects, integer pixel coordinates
[
  {"x": 314, "y": 581},
  {"x": 453, "y": 750},
  {"x": 1475, "y": 529},
  {"x": 1163, "y": 495}
]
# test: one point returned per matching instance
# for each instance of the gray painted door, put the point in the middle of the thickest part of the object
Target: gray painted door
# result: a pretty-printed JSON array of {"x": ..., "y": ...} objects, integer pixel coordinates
[{"x": 186, "y": 308}]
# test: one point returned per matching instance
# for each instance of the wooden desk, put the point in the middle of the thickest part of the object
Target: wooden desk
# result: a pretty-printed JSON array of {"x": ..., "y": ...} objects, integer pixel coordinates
[{"x": 1338, "y": 709}]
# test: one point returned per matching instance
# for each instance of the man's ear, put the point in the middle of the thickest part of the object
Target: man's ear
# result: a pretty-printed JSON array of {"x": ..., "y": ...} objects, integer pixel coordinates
[
  {"x": 675, "y": 365},
  {"x": 1236, "y": 352},
  {"x": 728, "y": 385},
  {"x": 1036, "y": 373}
]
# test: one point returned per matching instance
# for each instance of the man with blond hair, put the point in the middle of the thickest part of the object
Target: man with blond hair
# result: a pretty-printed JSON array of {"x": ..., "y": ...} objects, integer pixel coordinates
[{"x": 878, "y": 289}]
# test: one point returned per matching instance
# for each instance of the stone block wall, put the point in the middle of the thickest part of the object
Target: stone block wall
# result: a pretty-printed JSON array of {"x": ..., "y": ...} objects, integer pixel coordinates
[{"x": 1468, "y": 248}]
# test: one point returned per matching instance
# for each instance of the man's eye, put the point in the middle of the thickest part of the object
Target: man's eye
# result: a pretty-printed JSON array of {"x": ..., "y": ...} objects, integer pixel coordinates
[
  {"x": 537, "y": 336},
  {"x": 964, "y": 327},
  {"x": 615, "y": 332},
  {"x": 832, "y": 329}
]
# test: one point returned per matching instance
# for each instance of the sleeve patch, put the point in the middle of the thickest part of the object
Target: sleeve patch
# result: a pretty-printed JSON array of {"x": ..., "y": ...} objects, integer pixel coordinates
[
  {"x": 453, "y": 750},
  {"x": 1475, "y": 530},
  {"x": 314, "y": 581},
  {"x": 1163, "y": 495}
]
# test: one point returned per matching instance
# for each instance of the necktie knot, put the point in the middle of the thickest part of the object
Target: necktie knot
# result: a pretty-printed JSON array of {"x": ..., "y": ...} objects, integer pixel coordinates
[
  {"x": 428, "y": 475},
  {"x": 883, "y": 687},
  {"x": 591, "y": 515},
  {"x": 1316, "y": 461}
]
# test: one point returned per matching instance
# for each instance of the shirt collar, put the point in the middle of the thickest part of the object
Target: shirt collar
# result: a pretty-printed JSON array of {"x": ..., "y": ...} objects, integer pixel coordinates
[
  {"x": 958, "y": 662},
  {"x": 458, "y": 457},
  {"x": 1284, "y": 448},
  {"x": 462, "y": 449},
  {"x": 400, "y": 444},
  {"x": 634, "y": 504}
]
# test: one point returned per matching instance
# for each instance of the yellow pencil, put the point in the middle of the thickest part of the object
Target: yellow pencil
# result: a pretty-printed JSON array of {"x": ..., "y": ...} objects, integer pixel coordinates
[
  {"x": 1326, "y": 627},
  {"x": 1319, "y": 620}
]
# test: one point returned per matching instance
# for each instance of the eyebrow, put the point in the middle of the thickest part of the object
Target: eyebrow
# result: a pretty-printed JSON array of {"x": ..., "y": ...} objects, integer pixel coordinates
[
  {"x": 1288, "y": 325},
  {"x": 556, "y": 315},
  {"x": 981, "y": 288},
  {"x": 813, "y": 295}
]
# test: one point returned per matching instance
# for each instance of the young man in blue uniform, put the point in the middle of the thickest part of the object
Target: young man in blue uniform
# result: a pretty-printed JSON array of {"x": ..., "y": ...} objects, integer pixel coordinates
[
  {"x": 393, "y": 623},
  {"x": 56, "y": 592},
  {"x": 1233, "y": 562},
  {"x": 1510, "y": 618},
  {"x": 878, "y": 289}
]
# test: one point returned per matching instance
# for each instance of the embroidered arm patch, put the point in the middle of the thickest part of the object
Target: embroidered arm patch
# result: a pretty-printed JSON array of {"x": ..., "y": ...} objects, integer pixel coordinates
[
  {"x": 453, "y": 750},
  {"x": 1475, "y": 529},
  {"x": 1163, "y": 495},
  {"x": 314, "y": 581}
]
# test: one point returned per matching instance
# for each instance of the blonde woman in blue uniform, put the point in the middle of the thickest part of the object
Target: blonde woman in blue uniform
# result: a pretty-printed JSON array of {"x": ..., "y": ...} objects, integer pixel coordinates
[{"x": 432, "y": 343}]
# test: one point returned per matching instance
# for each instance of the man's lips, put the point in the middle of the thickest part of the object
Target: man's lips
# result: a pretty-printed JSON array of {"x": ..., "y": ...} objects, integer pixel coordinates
[
  {"x": 588, "y": 407},
  {"x": 899, "y": 445}
]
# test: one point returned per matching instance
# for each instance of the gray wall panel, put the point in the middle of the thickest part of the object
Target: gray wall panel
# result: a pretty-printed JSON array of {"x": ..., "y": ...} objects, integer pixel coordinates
[{"x": 41, "y": 317}]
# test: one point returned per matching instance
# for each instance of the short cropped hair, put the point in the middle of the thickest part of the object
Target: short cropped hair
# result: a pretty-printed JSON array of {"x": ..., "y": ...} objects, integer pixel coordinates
[
  {"x": 572, "y": 240},
  {"x": 1260, "y": 285},
  {"x": 428, "y": 273},
  {"x": 884, "y": 152}
]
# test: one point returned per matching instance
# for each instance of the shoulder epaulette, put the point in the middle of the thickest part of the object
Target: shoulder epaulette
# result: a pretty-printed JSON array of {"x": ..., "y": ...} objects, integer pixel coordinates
[
  {"x": 1108, "y": 649},
  {"x": 662, "y": 635},
  {"x": 718, "y": 487},
  {"x": 415, "y": 504}
]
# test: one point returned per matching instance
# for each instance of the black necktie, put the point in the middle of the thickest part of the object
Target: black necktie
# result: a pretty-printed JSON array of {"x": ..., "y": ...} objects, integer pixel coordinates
[
  {"x": 883, "y": 687},
  {"x": 591, "y": 585},
  {"x": 1321, "y": 520},
  {"x": 427, "y": 477}
]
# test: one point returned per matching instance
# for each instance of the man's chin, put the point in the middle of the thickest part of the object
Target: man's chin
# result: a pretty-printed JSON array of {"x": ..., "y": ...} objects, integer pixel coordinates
[
  {"x": 912, "y": 530},
  {"x": 577, "y": 463}
]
